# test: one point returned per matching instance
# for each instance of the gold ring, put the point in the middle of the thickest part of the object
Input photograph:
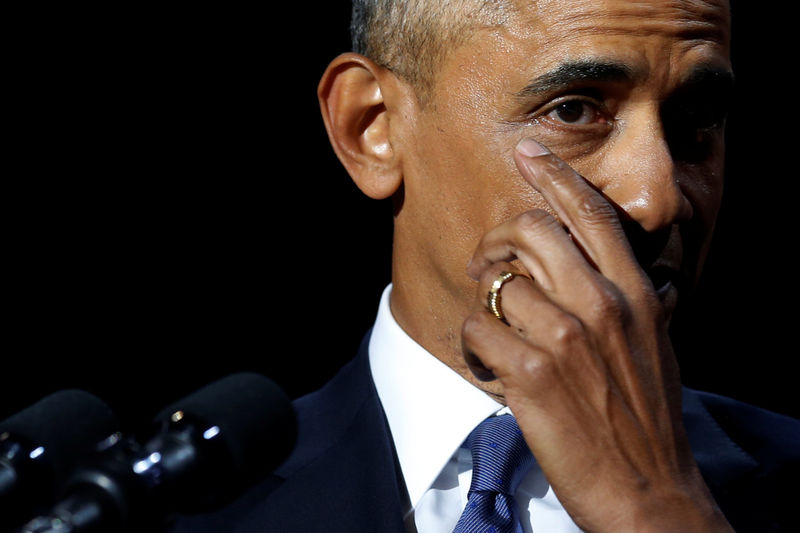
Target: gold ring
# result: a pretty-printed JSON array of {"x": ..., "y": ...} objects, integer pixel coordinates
[{"x": 494, "y": 294}]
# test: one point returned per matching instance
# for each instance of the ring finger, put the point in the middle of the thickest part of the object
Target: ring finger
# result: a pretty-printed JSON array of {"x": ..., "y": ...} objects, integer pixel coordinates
[{"x": 524, "y": 306}]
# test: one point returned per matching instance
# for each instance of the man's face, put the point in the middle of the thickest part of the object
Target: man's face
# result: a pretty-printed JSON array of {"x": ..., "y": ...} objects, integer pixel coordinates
[{"x": 630, "y": 94}]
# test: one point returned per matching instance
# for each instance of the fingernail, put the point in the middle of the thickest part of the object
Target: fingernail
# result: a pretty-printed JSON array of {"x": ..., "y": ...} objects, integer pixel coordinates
[{"x": 531, "y": 148}]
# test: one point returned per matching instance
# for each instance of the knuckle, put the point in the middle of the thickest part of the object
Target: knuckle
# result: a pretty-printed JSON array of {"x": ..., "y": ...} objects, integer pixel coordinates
[
  {"x": 594, "y": 209},
  {"x": 535, "y": 222},
  {"x": 569, "y": 331},
  {"x": 533, "y": 217},
  {"x": 475, "y": 325},
  {"x": 610, "y": 306},
  {"x": 538, "y": 368}
]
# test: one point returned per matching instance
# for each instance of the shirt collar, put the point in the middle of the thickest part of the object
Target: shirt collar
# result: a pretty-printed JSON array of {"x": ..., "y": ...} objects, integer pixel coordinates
[{"x": 429, "y": 407}]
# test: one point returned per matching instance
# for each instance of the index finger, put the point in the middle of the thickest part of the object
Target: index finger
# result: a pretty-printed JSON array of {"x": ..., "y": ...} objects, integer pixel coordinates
[{"x": 592, "y": 220}]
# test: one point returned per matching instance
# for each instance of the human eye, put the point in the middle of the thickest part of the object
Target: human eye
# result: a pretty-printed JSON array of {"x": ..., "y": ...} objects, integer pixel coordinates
[
  {"x": 575, "y": 111},
  {"x": 701, "y": 106},
  {"x": 576, "y": 120},
  {"x": 693, "y": 125}
]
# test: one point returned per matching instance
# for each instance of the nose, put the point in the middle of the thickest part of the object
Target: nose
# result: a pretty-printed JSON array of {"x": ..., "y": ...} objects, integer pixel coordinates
[{"x": 641, "y": 176}]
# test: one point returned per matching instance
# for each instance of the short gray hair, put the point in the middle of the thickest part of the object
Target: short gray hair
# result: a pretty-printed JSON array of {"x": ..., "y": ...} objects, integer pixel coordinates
[{"x": 412, "y": 37}]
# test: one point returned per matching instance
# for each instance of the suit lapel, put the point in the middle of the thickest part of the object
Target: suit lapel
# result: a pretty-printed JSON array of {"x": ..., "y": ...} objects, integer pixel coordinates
[
  {"x": 343, "y": 475},
  {"x": 720, "y": 459}
]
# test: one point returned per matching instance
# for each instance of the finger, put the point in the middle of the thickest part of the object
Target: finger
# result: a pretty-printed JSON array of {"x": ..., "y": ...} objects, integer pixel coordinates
[
  {"x": 591, "y": 219},
  {"x": 540, "y": 243},
  {"x": 545, "y": 322},
  {"x": 524, "y": 306},
  {"x": 527, "y": 368},
  {"x": 492, "y": 349}
]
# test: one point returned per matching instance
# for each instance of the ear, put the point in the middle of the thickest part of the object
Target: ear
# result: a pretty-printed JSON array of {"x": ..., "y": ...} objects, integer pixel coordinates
[{"x": 354, "y": 110}]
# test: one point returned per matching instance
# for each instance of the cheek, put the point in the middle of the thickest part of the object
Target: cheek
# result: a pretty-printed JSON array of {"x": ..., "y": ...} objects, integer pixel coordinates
[
  {"x": 472, "y": 174},
  {"x": 462, "y": 189}
]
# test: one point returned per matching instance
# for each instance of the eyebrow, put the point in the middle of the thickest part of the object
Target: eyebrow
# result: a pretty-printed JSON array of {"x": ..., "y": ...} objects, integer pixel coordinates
[{"x": 573, "y": 72}]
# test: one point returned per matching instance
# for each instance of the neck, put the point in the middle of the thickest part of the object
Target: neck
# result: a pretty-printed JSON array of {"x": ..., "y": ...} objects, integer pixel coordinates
[{"x": 431, "y": 315}]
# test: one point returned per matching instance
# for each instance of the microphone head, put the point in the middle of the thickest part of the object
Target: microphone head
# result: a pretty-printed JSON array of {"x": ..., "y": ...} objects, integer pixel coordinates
[
  {"x": 249, "y": 414},
  {"x": 62, "y": 427}
]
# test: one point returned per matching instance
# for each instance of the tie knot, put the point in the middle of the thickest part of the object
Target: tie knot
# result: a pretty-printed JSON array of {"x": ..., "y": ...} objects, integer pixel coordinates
[{"x": 500, "y": 456}]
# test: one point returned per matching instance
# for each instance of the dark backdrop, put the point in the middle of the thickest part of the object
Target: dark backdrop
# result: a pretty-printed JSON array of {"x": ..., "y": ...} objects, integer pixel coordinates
[{"x": 175, "y": 213}]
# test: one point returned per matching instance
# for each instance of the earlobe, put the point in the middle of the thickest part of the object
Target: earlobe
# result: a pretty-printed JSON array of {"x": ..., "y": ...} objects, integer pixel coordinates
[{"x": 354, "y": 110}]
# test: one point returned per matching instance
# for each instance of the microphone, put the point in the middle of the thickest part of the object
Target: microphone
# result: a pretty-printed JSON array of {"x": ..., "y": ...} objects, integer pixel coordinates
[
  {"x": 209, "y": 447},
  {"x": 41, "y": 442}
]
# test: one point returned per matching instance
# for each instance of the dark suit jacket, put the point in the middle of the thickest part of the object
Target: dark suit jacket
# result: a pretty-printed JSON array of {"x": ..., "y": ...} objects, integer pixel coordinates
[{"x": 343, "y": 474}]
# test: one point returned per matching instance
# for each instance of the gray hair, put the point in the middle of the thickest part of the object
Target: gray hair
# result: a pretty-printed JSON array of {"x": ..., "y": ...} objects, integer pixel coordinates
[{"x": 412, "y": 37}]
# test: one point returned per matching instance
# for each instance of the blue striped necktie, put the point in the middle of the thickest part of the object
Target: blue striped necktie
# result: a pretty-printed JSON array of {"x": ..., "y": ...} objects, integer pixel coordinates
[{"x": 500, "y": 459}]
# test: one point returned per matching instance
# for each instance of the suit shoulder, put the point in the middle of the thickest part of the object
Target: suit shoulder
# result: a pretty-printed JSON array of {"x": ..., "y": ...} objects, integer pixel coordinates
[
  {"x": 767, "y": 436},
  {"x": 749, "y": 457},
  {"x": 324, "y": 416}
]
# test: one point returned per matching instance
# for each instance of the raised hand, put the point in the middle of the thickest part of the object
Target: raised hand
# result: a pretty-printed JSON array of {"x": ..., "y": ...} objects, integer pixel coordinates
[{"x": 585, "y": 360}]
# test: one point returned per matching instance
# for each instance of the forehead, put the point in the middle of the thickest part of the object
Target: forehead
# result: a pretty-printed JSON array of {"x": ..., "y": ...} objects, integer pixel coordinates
[
  {"x": 684, "y": 18},
  {"x": 557, "y": 23},
  {"x": 660, "y": 41}
]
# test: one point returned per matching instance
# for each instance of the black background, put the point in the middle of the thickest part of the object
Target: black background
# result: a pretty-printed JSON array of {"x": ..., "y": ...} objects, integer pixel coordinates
[{"x": 174, "y": 212}]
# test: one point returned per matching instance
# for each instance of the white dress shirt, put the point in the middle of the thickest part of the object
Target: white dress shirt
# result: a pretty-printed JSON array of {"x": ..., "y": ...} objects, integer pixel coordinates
[{"x": 431, "y": 410}]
